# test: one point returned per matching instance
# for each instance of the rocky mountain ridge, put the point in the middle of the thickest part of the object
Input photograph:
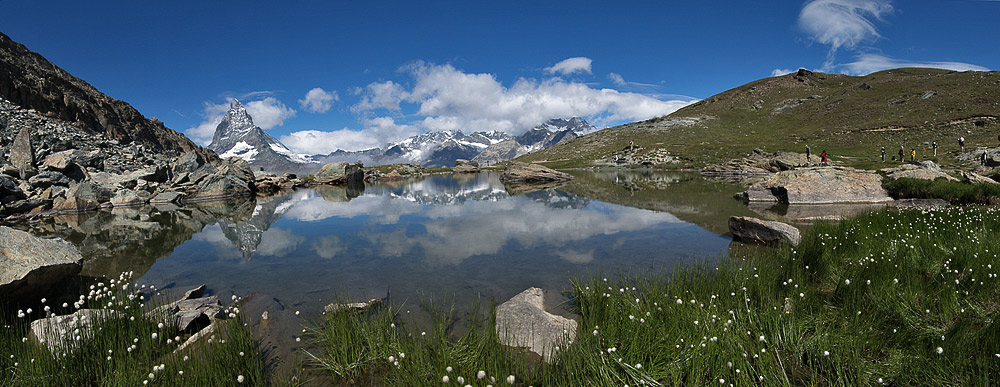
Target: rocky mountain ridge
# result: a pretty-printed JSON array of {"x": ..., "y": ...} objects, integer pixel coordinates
[
  {"x": 68, "y": 148},
  {"x": 30, "y": 81}
]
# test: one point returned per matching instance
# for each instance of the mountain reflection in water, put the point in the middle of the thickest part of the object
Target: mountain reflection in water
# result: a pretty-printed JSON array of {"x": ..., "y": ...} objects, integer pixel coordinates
[{"x": 449, "y": 237}]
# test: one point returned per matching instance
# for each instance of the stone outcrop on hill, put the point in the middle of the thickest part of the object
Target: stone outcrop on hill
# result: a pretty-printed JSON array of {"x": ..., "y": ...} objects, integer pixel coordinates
[
  {"x": 926, "y": 170},
  {"x": 816, "y": 185},
  {"x": 29, "y": 265},
  {"x": 761, "y": 163}
]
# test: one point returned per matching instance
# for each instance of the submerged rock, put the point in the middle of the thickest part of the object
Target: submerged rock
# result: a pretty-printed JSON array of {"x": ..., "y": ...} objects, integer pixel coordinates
[
  {"x": 523, "y": 322},
  {"x": 819, "y": 185},
  {"x": 30, "y": 265},
  {"x": 749, "y": 229}
]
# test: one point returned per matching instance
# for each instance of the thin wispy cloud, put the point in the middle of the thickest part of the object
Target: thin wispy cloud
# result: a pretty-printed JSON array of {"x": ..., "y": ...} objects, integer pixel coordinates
[
  {"x": 572, "y": 65},
  {"x": 842, "y": 23},
  {"x": 870, "y": 63},
  {"x": 851, "y": 25}
]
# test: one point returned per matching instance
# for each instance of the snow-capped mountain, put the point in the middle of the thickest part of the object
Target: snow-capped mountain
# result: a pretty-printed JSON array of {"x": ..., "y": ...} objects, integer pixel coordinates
[
  {"x": 547, "y": 134},
  {"x": 237, "y": 136},
  {"x": 441, "y": 148}
]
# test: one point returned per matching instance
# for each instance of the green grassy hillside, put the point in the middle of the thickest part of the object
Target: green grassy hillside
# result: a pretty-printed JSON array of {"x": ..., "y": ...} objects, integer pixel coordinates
[{"x": 849, "y": 117}]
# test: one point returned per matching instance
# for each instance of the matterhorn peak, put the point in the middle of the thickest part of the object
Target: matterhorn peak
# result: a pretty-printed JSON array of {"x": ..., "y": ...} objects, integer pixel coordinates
[{"x": 237, "y": 136}]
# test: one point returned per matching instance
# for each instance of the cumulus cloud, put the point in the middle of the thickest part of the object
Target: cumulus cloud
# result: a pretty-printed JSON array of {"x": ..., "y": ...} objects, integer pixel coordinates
[
  {"x": 267, "y": 113},
  {"x": 212, "y": 115},
  {"x": 869, "y": 63},
  {"x": 377, "y": 132},
  {"x": 318, "y": 100},
  {"x": 380, "y": 95},
  {"x": 569, "y": 66},
  {"x": 449, "y": 98}
]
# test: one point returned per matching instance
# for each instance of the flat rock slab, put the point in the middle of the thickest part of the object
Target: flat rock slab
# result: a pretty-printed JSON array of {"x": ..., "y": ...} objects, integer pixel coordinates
[
  {"x": 917, "y": 171},
  {"x": 517, "y": 172},
  {"x": 749, "y": 229},
  {"x": 30, "y": 265},
  {"x": 523, "y": 322},
  {"x": 819, "y": 185}
]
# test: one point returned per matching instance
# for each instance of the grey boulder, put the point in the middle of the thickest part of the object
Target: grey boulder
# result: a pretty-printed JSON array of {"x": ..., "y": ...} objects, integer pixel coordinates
[
  {"x": 523, "y": 322},
  {"x": 749, "y": 229},
  {"x": 30, "y": 265}
]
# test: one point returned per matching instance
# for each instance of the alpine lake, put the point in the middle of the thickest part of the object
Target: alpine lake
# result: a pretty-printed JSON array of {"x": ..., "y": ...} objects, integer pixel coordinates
[{"x": 457, "y": 241}]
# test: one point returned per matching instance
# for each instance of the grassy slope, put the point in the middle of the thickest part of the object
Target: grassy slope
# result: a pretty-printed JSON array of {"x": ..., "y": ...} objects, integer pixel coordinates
[{"x": 850, "y": 117}]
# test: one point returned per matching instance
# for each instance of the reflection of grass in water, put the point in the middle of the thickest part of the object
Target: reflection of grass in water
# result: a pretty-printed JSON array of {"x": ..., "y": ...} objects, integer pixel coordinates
[
  {"x": 908, "y": 298},
  {"x": 126, "y": 347},
  {"x": 685, "y": 195}
]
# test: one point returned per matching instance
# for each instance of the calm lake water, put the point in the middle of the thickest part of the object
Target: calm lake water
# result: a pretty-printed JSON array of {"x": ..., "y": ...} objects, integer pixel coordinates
[
  {"x": 450, "y": 237},
  {"x": 454, "y": 239}
]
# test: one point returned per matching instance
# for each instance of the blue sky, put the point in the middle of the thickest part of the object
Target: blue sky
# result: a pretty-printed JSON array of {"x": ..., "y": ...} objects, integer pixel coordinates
[{"x": 352, "y": 75}]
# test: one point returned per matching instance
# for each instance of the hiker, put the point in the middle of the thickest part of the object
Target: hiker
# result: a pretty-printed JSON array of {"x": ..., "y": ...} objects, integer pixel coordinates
[
  {"x": 961, "y": 143},
  {"x": 631, "y": 144},
  {"x": 822, "y": 156},
  {"x": 883, "y": 154},
  {"x": 934, "y": 145},
  {"x": 902, "y": 153},
  {"x": 982, "y": 159},
  {"x": 998, "y": 138},
  {"x": 913, "y": 154},
  {"x": 808, "y": 152}
]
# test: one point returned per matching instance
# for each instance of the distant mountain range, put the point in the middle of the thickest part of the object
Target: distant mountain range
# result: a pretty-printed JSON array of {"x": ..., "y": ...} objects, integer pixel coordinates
[
  {"x": 238, "y": 136},
  {"x": 440, "y": 149}
]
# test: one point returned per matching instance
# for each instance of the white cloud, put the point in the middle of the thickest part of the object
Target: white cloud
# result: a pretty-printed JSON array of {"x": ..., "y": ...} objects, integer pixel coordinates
[
  {"x": 842, "y": 23},
  {"x": 617, "y": 79},
  {"x": 870, "y": 63},
  {"x": 780, "y": 72},
  {"x": 377, "y": 132},
  {"x": 266, "y": 113},
  {"x": 380, "y": 95},
  {"x": 212, "y": 114},
  {"x": 318, "y": 100},
  {"x": 451, "y": 99},
  {"x": 269, "y": 112},
  {"x": 569, "y": 66}
]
